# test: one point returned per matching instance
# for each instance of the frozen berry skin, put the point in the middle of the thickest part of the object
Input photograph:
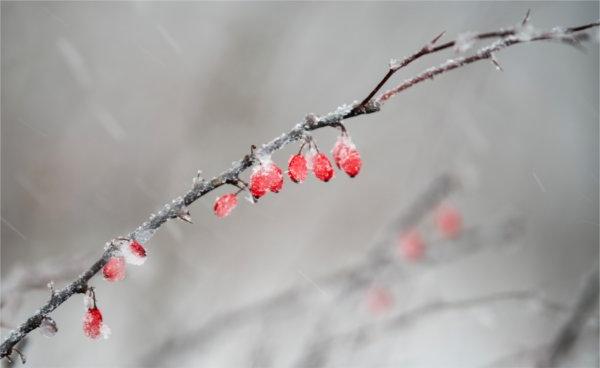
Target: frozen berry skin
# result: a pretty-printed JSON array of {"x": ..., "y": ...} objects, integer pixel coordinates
[
  {"x": 114, "y": 269},
  {"x": 92, "y": 323},
  {"x": 275, "y": 177},
  {"x": 412, "y": 246},
  {"x": 351, "y": 163},
  {"x": 322, "y": 167},
  {"x": 448, "y": 221},
  {"x": 297, "y": 168},
  {"x": 259, "y": 182},
  {"x": 225, "y": 204}
]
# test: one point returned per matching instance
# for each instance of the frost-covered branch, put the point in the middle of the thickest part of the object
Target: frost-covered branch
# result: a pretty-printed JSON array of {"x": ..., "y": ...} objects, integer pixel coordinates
[{"x": 178, "y": 208}]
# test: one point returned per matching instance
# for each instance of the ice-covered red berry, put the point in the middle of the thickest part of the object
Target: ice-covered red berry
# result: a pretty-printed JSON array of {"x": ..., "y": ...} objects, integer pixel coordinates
[
  {"x": 322, "y": 167},
  {"x": 134, "y": 253},
  {"x": 346, "y": 156},
  {"x": 297, "y": 168},
  {"x": 275, "y": 177},
  {"x": 114, "y": 269},
  {"x": 93, "y": 325},
  {"x": 225, "y": 204}
]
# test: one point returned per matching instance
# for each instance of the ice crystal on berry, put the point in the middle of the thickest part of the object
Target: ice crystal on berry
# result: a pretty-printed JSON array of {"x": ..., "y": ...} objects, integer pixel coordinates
[
  {"x": 275, "y": 175},
  {"x": 114, "y": 269},
  {"x": 225, "y": 204},
  {"x": 297, "y": 168}
]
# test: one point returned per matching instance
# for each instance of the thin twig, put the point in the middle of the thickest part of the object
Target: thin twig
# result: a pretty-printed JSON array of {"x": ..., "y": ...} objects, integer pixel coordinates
[{"x": 202, "y": 187}]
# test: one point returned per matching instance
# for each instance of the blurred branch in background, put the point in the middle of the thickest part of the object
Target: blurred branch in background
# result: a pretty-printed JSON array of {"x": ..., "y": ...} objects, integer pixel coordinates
[
  {"x": 355, "y": 278},
  {"x": 323, "y": 300},
  {"x": 556, "y": 352}
]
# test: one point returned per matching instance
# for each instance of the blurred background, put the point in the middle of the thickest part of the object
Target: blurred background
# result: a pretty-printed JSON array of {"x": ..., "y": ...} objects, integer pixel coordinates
[{"x": 109, "y": 109}]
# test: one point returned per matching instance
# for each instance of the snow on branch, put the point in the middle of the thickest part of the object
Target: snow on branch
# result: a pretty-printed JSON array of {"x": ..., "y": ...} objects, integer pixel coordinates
[{"x": 178, "y": 208}]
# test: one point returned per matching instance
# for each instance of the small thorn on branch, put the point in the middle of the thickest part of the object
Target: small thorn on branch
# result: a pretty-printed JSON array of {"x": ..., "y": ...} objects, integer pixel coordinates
[
  {"x": 50, "y": 286},
  {"x": 436, "y": 39},
  {"x": 21, "y": 356},
  {"x": 495, "y": 61},
  {"x": 198, "y": 179},
  {"x": 184, "y": 214},
  {"x": 526, "y": 19}
]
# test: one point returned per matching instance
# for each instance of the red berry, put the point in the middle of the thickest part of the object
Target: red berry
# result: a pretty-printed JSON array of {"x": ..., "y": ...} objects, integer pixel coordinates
[
  {"x": 352, "y": 163},
  {"x": 412, "y": 246},
  {"x": 340, "y": 149},
  {"x": 258, "y": 182},
  {"x": 225, "y": 204},
  {"x": 275, "y": 177},
  {"x": 92, "y": 323},
  {"x": 297, "y": 169},
  {"x": 346, "y": 156},
  {"x": 448, "y": 221},
  {"x": 379, "y": 300},
  {"x": 137, "y": 249},
  {"x": 266, "y": 177},
  {"x": 114, "y": 269},
  {"x": 134, "y": 253},
  {"x": 322, "y": 167}
]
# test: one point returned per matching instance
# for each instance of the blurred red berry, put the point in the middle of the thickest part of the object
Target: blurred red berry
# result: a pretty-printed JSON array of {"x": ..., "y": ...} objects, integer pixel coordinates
[
  {"x": 379, "y": 300},
  {"x": 225, "y": 204},
  {"x": 322, "y": 167},
  {"x": 448, "y": 221},
  {"x": 114, "y": 269},
  {"x": 297, "y": 168},
  {"x": 92, "y": 323},
  {"x": 412, "y": 246}
]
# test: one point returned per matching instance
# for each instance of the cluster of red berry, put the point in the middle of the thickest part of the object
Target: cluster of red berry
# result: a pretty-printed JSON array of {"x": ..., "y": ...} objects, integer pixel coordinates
[
  {"x": 268, "y": 177},
  {"x": 448, "y": 224}
]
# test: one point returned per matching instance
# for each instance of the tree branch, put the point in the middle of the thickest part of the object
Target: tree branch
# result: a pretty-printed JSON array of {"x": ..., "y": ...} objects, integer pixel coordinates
[{"x": 202, "y": 187}]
